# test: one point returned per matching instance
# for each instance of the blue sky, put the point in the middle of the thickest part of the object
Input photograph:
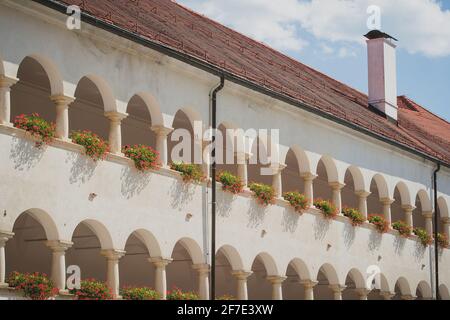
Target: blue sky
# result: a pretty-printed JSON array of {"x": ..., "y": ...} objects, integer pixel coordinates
[{"x": 327, "y": 35}]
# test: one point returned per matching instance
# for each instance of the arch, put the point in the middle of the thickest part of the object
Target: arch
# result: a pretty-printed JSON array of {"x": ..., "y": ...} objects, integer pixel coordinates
[
  {"x": 404, "y": 286},
  {"x": 106, "y": 93},
  {"x": 2, "y": 66},
  {"x": 102, "y": 233},
  {"x": 358, "y": 278},
  {"x": 149, "y": 240},
  {"x": 384, "y": 283},
  {"x": 52, "y": 71},
  {"x": 45, "y": 220},
  {"x": 424, "y": 200},
  {"x": 382, "y": 186},
  {"x": 425, "y": 290},
  {"x": 358, "y": 178},
  {"x": 192, "y": 114},
  {"x": 153, "y": 107},
  {"x": 300, "y": 268},
  {"x": 444, "y": 292},
  {"x": 269, "y": 263},
  {"x": 443, "y": 207},
  {"x": 233, "y": 257},
  {"x": 330, "y": 167},
  {"x": 330, "y": 273},
  {"x": 404, "y": 193},
  {"x": 304, "y": 164},
  {"x": 193, "y": 249}
]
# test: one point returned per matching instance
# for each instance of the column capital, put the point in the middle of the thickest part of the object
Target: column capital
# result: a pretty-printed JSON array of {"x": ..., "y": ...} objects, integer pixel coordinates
[
  {"x": 387, "y": 295},
  {"x": 308, "y": 283},
  {"x": 336, "y": 185},
  {"x": 363, "y": 193},
  {"x": 59, "y": 245},
  {"x": 243, "y": 155},
  {"x": 387, "y": 201},
  {"x": 5, "y": 236},
  {"x": 308, "y": 176},
  {"x": 337, "y": 288},
  {"x": 60, "y": 99},
  {"x": 201, "y": 268},
  {"x": 277, "y": 168},
  {"x": 445, "y": 220},
  {"x": 363, "y": 292},
  {"x": 115, "y": 116},
  {"x": 276, "y": 279},
  {"x": 160, "y": 261},
  {"x": 7, "y": 82},
  {"x": 161, "y": 130},
  {"x": 408, "y": 208},
  {"x": 113, "y": 254},
  {"x": 241, "y": 274},
  {"x": 427, "y": 214}
]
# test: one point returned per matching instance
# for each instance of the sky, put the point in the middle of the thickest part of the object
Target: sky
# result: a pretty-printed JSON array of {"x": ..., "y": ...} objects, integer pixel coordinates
[{"x": 328, "y": 36}]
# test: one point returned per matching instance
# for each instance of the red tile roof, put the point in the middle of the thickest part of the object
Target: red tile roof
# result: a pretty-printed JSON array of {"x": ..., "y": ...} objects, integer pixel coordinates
[{"x": 172, "y": 25}]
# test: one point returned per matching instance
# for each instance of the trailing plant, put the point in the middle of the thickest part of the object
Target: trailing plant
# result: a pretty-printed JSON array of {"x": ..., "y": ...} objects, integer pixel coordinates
[
  {"x": 178, "y": 294},
  {"x": 94, "y": 146},
  {"x": 144, "y": 157},
  {"x": 402, "y": 228},
  {"x": 230, "y": 182},
  {"x": 264, "y": 193},
  {"x": 37, "y": 127},
  {"x": 442, "y": 240},
  {"x": 189, "y": 172},
  {"x": 297, "y": 200},
  {"x": 36, "y": 286},
  {"x": 144, "y": 293},
  {"x": 423, "y": 236},
  {"x": 354, "y": 215},
  {"x": 379, "y": 222},
  {"x": 92, "y": 289},
  {"x": 328, "y": 209}
]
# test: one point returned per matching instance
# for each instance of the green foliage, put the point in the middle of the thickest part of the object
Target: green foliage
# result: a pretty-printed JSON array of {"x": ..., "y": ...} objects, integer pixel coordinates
[
  {"x": 403, "y": 228},
  {"x": 263, "y": 193},
  {"x": 328, "y": 209},
  {"x": 95, "y": 147},
  {"x": 380, "y": 223},
  {"x": 92, "y": 289},
  {"x": 36, "y": 127},
  {"x": 36, "y": 286},
  {"x": 144, "y": 157},
  {"x": 354, "y": 215},
  {"x": 297, "y": 200},
  {"x": 189, "y": 172},
  {"x": 178, "y": 294},
  {"x": 423, "y": 236},
  {"x": 230, "y": 182},
  {"x": 144, "y": 293}
]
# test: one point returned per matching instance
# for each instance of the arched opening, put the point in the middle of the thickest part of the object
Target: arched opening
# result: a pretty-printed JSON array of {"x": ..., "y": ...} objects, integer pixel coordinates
[
  {"x": 378, "y": 191},
  {"x": 89, "y": 238},
  {"x": 87, "y": 111},
  {"x": 400, "y": 200},
  {"x": 181, "y": 142},
  {"x": 259, "y": 288},
  {"x": 423, "y": 291},
  {"x": 31, "y": 94},
  {"x": 402, "y": 289},
  {"x": 296, "y": 273},
  {"x": 444, "y": 293},
  {"x": 325, "y": 278},
  {"x": 259, "y": 160},
  {"x": 291, "y": 177},
  {"x": 136, "y": 128},
  {"x": 226, "y": 159},
  {"x": 423, "y": 206},
  {"x": 443, "y": 212},
  {"x": 348, "y": 193},
  {"x": 353, "y": 282},
  {"x": 322, "y": 189},
  {"x": 226, "y": 283},
  {"x": 27, "y": 251}
]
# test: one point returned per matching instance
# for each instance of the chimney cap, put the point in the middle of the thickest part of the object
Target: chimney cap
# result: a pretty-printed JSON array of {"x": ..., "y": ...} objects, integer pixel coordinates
[{"x": 377, "y": 34}]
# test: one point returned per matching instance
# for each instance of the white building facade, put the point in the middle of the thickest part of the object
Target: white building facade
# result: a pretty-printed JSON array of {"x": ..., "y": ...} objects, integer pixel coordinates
[{"x": 58, "y": 208}]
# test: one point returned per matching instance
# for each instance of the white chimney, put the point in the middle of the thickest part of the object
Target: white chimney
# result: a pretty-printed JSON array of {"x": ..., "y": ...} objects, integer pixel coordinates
[{"x": 382, "y": 73}]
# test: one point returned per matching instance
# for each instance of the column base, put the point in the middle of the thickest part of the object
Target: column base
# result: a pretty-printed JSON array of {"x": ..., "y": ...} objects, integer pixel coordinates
[{"x": 3, "y": 285}]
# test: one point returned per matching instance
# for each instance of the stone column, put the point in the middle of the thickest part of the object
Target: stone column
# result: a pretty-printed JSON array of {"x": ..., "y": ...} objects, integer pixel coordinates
[
  {"x": 362, "y": 199},
  {"x": 408, "y": 210},
  {"x": 5, "y": 99},
  {"x": 363, "y": 293},
  {"x": 428, "y": 216},
  {"x": 242, "y": 167},
  {"x": 308, "y": 179},
  {"x": 277, "y": 289},
  {"x": 386, "y": 202},
  {"x": 160, "y": 275},
  {"x": 337, "y": 201},
  {"x": 62, "y": 115},
  {"x": 387, "y": 295},
  {"x": 4, "y": 237},
  {"x": 446, "y": 226},
  {"x": 337, "y": 291},
  {"x": 203, "y": 280},
  {"x": 162, "y": 133},
  {"x": 112, "y": 274},
  {"x": 309, "y": 288},
  {"x": 276, "y": 179},
  {"x": 241, "y": 278},
  {"x": 115, "y": 132},
  {"x": 58, "y": 273}
]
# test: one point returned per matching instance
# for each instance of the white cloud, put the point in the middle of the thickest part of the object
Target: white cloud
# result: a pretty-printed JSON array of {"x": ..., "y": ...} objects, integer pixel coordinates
[{"x": 422, "y": 26}]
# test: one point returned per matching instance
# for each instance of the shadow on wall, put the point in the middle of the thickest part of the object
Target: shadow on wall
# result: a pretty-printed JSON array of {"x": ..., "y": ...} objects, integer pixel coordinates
[
  {"x": 349, "y": 235},
  {"x": 82, "y": 169},
  {"x": 256, "y": 214},
  {"x": 375, "y": 239},
  {"x": 290, "y": 220},
  {"x": 224, "y": 204},
  {"x": 25, "y": 154},
  {"x": 419, "y": 251},
  {"x": 133, "y": 181},
  {"x": 399, "y": 245},
  {"x": 321, "y": 227},
  {"x": 181, "y": 193}
]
